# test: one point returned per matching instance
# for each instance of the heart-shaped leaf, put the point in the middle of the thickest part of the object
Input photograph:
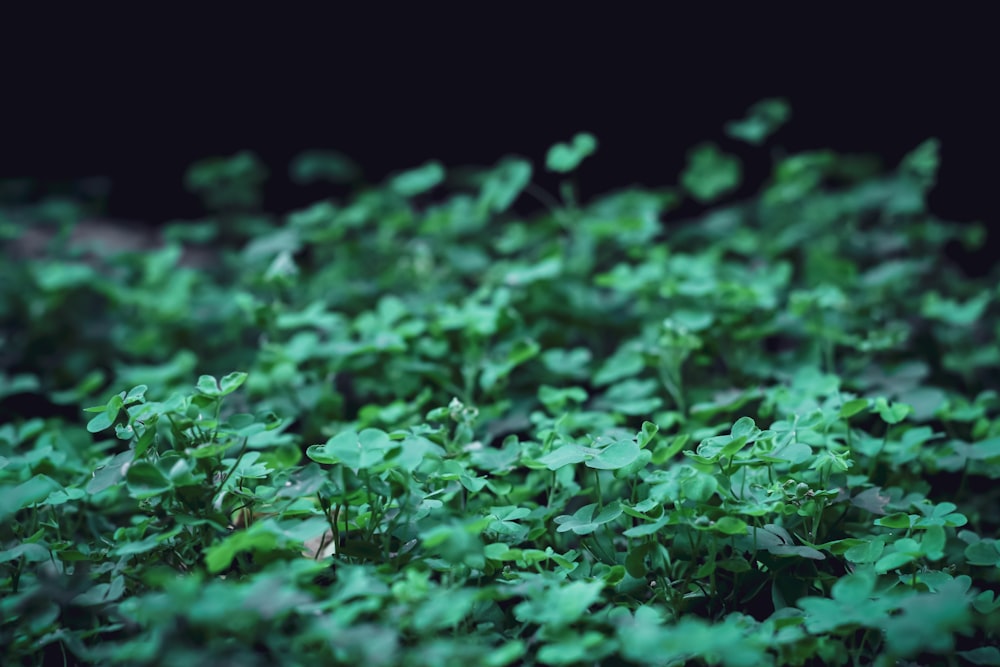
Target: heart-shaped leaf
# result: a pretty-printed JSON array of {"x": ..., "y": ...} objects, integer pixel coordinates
[
  {"x": 145, "y": 480},
  {"x": 616, "y": 455}
]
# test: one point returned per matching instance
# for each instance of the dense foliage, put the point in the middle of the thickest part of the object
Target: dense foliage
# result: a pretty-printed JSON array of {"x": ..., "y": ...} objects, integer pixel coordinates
[{"x": 418, "y": 428}]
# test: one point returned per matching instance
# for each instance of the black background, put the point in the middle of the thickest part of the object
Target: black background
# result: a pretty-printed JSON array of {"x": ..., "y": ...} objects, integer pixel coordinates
[{"x": 138, "y": 98}]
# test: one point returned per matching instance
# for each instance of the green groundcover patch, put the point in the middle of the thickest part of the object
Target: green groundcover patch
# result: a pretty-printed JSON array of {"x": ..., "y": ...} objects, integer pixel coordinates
[{"x": 415, "y": 427}]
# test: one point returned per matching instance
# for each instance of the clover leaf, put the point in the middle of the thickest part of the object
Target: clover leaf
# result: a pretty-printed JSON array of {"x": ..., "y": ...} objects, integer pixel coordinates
[
  {"x": 710, "y": 174},
  {"x": 565, "y": 158},
  {"x": 762, "y": 120},
  {"x": 588, "y": 518}
]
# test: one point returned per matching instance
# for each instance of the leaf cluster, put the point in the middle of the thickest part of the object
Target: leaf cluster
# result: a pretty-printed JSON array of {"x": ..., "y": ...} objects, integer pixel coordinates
[{"x": 456, "y": 436}]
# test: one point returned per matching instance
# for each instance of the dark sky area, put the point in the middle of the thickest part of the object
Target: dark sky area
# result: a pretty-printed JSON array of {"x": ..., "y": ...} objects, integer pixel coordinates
[{"x": 396, "y": 88}]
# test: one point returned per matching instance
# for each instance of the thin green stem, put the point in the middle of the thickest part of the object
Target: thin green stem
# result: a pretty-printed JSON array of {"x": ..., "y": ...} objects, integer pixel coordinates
[{"x": 232, "y": 468}]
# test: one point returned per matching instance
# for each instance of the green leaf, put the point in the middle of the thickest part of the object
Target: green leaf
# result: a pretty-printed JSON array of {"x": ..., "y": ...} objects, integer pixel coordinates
[
  {"x": 712, "y": 449},
  {"x": 65, "y": 495},
  {"x": 733, "y": 446},
  {"x": 853, "y": 407},
  {"x": 519, "y": 352},
  {"x": 985, "y": 553},
  {"x": 737, "y": 565},
  {"x": 868, "y": 552},
  {"x": 929, "y": 622},
  {"x": 573, "y": 363},
  {"x": 522, "y": 275},
  {"x": 26, "y": 494},
  {"x": 729, "y": 525},
  {"x": 419, "y": 180},
  {"x": 762, "y": 120},
  {"x": 897, "y": 520},
  {"x": 852, "y": 605},
  {"x": 147, "y": 544},
  {"x": 110, "y": 473},
  {"x": 667, "y": 449},
  {"x": 699, "y": 487},
  {"x": 893, "y": 561},
  {"x": 145, "y": 480},
  {"x": 616, "y": 455},
  {"x": 100, "y": 422},
  {"x": 208, "y": 450},
  {"x": 942, "y": 514},
  {"x": 635, "y": 561},
  {"x": 984, "y": 449},
  {"x": 496, "y": 550},
  {"x": 61, "y": 276},
  {"x": 854, "y": 589},
  {"x": 258, "y": 537},
  {"x": 356, "y": 451},
  {"x": 745, "y": 427},
  {"x": 646, "y": 435},
  {"x": 556, "y": 399},
  {"x": 108, "y": 417},
  {"x": 565, "y": 158},
  {"x": 437, "y": 536},
  {"x": 32, "y": 553},
  {"x": 615, "y": 575},
  {"x": 587, "y": 519},
  {"x": 632, "y": 397},
  {"x": 954, "y": 312},
  {"x": 246, "y": 467},
  {"x": 228, "y": 183},
  {"x": 790, "y": 452},
  {"x": 933, "y": 543},
  {"x": 441, "y": 612},
  {"x": 984, "y": 655},
  {"x": 506, "y": 654},
  {"x": 776, "y": 540},
  {"x": 795, "y": 550},
  {"x": 208, "y": 386},
  {"x": 631, "y": 470},
  {"x": 522, "y": 351},
  {"x": 316, "y": 165},
  {"x": 575, "y": 648},
  {"x": 710, "y": 173},
  {"x": 136, "y": 394},
  {"x": 922, "y": 162},
  {"x": 504, "y": 184},
  {"x": 652, "y": 528},
  {"x": 986, "y": 602},
  {"x": 231, "y": 382},
  {"x": 559, "y": 606},
  {"x": 893, "y": 414},
  {"x": 567, "y": 454},
  {"x": 24, "y": 383},
  {"x": 624, "y": 363}
]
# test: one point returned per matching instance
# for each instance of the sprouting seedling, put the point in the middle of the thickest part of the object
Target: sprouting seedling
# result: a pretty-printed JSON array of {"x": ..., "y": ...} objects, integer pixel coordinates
[{"x": 566, "y": 157}]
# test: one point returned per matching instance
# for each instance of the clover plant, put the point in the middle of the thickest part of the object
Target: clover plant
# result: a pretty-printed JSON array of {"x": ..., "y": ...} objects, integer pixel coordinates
[{"x": 415, "y": 427}]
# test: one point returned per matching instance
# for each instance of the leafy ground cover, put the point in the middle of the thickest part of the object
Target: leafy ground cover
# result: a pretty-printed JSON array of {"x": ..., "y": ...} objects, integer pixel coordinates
[{"x": 417, "y": 428}]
